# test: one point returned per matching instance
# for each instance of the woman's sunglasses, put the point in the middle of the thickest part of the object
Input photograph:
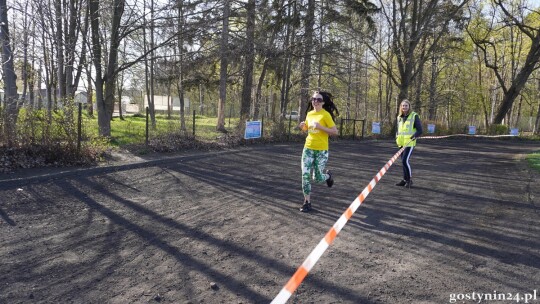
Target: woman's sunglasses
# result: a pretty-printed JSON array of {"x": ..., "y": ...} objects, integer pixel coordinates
[{"x": 316, "y": 99}]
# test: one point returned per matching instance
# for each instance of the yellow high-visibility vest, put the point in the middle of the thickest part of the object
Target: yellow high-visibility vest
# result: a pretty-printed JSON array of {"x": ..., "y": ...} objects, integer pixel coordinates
[{"x": 405, "y": 130}]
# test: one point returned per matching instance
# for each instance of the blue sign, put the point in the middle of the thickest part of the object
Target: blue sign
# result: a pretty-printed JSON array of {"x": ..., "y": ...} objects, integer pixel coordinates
[
  {"x": 376, "y": 128},
  {"x": 514, "y": 131},
  {"x": 253, "y": 129},
  {"x": 431, "y": 128},
  {"x": 472, "y": 130}
]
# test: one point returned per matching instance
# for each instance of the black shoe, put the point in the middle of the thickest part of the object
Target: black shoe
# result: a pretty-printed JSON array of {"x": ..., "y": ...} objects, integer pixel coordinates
[
  {"x": 330, "y": 180},
  {"x": 306, "y": 207},
  {"x": 402, "y": 183},
  {"x": 409, "y": 184}
]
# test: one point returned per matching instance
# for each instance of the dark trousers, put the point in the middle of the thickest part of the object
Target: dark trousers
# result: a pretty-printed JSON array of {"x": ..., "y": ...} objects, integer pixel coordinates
[{"x": 405, "y": 156}]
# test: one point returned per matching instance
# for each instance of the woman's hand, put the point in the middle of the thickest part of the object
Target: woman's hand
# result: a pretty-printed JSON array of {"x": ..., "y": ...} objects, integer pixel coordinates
[{"x": 302, "y": 126}]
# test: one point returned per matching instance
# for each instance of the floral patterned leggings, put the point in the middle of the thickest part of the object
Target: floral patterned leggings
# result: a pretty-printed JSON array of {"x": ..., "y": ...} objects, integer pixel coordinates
[{"x": 313, "y": 163}]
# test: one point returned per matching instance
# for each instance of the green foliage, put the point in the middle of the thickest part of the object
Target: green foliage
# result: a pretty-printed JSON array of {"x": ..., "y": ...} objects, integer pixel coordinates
[
  {"x": 280, "y": 130},
  {"x": 50, "y": 139},
  {"x": 440, "y": 129},
  {"x": 457, "y": 128},
  {"x": 37, "y": 127},
  {"x": 386, "y": 130},
  {"x": 496, "y": 129},
  {"x": 534, "y": 160}
]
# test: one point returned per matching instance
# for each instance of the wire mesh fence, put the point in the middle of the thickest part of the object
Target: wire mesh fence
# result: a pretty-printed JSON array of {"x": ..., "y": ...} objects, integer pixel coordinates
[
  {"x": 352, "y": 128},
  {"x": 35, "y": 127}
]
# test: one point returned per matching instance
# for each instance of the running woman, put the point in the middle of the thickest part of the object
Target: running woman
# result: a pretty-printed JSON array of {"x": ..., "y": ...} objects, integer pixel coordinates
[{"x": 319, "y": 124}]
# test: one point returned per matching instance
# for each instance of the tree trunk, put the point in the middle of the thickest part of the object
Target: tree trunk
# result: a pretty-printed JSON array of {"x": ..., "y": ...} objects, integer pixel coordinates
[
  {"x": 379, "y": 115},
  {"x": 324, "y": 4},
  {"x": 349, "y": 85},
  {"x": 152, "y": 66},
  {"x": 432, "y": 89},
  {"x": 249, "y": 51},
  {"x": 31, "y": 81},
  {"x": 83, "y": 58},
  {"x": 201, "y": 99},
  {"x": 120, "y": 90},
  {"x": 224, "y": 55},
  {"x": 518, "y": 116},
  {"x": 49, "y": 72},
  {"x": 89, "y": 92},
  {"x": 521, "y": 78},
  {"x": 104, "y": 122},
  {"x": 180, "y": 83},
  {"x": 306, "y": 63},
  {"x": 24, "y": 71},
  {"x": 286, "y": 69},
  {"x": 537, "y": 122},
  {"x": 60, "y": 50},
  {"x": 112, "y": 65},
  {"x": 10, "y": 87},
  {"x": 257, "y": 102},
  {"x": 105, "y": 85},
  {"x": 417, "y": 102}
]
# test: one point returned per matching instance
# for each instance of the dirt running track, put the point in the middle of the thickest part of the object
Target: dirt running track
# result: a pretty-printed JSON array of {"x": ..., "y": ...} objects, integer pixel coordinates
[{"x": 224, "y": 227}]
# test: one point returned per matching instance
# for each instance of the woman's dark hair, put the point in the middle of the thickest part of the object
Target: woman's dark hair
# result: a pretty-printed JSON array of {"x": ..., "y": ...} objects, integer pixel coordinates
[{"x": 328, "y": 105}]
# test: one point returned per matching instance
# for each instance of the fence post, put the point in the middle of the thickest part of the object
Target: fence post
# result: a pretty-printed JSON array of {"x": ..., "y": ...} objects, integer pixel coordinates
[
  {"x": 79, "y": 128},
  {"x": 363, "y": 129},
  {"x": 146, "y": 136},
  {"x": 193, "y": 123},
  {"x": 230, "y": 114},
  {"x": 262, "y": 126},
  {"x": 341, "y": 128},
  {"x": 289, "y": 131}
]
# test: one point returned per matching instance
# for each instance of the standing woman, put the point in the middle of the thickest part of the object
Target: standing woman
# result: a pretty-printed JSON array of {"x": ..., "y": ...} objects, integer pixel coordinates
[
  {"x": 319, "y": 125},
  {"x": 409, "y": 129}
]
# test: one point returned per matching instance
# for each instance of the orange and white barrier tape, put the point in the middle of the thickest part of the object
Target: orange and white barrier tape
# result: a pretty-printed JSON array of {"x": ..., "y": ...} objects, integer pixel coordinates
[
  {"x": 318, "y": 251},
  {"x": 314, "y": 256},
  {"x": 466, "y": 135}
]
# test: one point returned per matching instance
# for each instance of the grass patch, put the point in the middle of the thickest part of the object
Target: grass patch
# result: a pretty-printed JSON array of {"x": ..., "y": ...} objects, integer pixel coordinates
[
  {"x": 132, "y": 130},
  {"x": 534, "y": 160}
]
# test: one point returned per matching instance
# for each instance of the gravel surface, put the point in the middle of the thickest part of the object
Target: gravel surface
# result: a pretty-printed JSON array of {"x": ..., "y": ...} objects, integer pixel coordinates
[{"x": 224, "y": 227}]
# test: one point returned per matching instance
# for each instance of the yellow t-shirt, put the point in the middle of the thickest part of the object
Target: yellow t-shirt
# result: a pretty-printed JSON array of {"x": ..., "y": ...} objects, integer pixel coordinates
[{"x": 318, "y": 139}]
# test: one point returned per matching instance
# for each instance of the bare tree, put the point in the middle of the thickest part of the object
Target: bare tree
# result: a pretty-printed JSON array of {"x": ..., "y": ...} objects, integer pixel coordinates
[
  {"x": 417, "y": 28},
  {"x": 488, "y": 46},
  {"x": 25, "y": 76},
  {"x": 68, "y": 30},
  {"x": 309, "y": 23},
  {"x": 8, "y": 72},
  {"x": 536, "y": 129},
  {"x": 267, "y": 50},
  {"x": 249, "y": 53},
  {"x": 180, "y": 63},
  {"x": 224, "y": 54},
  {"x": 291, "y": 25},
  {"x": 105, "y": 82}
]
